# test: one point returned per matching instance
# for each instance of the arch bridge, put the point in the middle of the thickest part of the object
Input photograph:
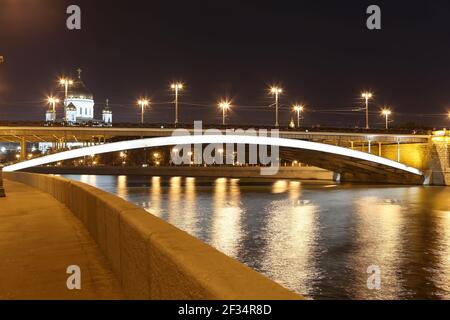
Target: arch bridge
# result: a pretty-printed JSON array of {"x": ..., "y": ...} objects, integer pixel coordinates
[{"x": 348, "y": 164}]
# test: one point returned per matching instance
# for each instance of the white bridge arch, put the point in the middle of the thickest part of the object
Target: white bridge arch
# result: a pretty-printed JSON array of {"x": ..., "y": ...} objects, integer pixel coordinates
[{"x": 330, "y": 157}]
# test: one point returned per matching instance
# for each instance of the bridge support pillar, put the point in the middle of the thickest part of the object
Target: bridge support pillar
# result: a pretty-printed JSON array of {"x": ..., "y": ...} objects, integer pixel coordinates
[
  {"x": 379, "y": 149},
  {"x": 398, "y": 151},
  {"x": 23, "y": 149}
]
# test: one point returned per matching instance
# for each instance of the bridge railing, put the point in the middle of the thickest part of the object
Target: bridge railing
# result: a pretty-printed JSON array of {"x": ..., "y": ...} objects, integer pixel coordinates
[{"x": 418, "y": 131}]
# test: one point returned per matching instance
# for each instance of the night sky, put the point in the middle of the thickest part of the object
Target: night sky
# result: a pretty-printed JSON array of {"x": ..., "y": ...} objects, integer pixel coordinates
[{"x": 319, "y": 51}]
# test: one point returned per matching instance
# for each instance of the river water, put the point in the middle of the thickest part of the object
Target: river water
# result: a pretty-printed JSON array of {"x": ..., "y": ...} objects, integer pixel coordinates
[{"x": 316, "y": 238}]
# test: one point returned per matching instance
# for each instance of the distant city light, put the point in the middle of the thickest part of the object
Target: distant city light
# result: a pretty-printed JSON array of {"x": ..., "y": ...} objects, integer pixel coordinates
[
  {"x": 224, "y": 105},
  {"x": 177, "y": 87},
  {"x": 65, "y": 82},
  {"x": 367, "y": 96},
  {"x": 52, "y": 100},
  {"x": 386, "y": 112},
  {"x": 298, "y": 109},
  {"x": 143, "y": 102},
  {"x": 276, "y": 91}
]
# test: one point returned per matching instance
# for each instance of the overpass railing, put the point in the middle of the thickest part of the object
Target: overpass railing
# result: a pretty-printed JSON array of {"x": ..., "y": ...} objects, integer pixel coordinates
[{"x": 418, "y": 131}]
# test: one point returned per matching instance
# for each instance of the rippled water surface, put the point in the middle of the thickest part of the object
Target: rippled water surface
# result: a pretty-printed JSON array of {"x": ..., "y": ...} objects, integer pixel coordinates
[{"x": 316, "y": 238}]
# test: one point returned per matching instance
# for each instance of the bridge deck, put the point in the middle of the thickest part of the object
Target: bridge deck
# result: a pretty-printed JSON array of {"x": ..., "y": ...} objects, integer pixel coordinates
[
  {"x": 39, "y": 239},
  {"x": 75, "y": 134}
]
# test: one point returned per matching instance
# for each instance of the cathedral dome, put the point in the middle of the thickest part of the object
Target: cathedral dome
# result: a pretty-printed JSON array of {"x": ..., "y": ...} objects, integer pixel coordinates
[
  {"x": 79, "y": 91},
  {"x": 80, "y": 98}
]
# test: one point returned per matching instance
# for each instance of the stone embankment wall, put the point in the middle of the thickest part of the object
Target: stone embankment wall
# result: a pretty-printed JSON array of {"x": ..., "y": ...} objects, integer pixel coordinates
[{"x": 151, "y": 258}]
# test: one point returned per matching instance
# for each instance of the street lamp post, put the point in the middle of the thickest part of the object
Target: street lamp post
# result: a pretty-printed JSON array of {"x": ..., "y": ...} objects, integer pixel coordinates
[
  {"x": 276, "y": 91},
  {"x": 298, "y": 109},
  {"x": 65, "y": 82},
  {"x": 176, "y": 87},
  {"x": 53, "y": 101},
  {"x": 143, "y": 103},
  {"x": 224, "y": 105},
  {"x": 367, "y": 96},
  {"x": 386, "y": 112}
]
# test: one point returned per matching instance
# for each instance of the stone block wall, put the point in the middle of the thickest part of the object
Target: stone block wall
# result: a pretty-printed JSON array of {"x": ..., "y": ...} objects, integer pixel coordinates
[{"x": 151, "y": 258}]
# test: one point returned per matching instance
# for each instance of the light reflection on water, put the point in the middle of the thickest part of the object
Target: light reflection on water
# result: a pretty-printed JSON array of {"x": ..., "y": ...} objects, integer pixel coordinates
[{"x": 317, "y": 239}]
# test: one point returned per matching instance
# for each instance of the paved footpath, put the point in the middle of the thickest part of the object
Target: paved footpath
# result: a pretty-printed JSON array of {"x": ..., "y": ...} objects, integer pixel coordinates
[{"x": 39, "y": 239}]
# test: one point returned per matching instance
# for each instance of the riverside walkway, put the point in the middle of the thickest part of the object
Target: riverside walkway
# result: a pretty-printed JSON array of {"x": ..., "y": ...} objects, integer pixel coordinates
[{"x": 39, "y": 239}]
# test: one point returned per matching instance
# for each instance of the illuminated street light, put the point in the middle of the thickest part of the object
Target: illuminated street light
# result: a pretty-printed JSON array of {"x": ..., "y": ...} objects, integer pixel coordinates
[
  {"x": 386, "y": 112},
  {"x": 53, "y": 101},
  {"x": 143, "y": 103},
  {"x": 177, "y": 87},
  {"x": 298, "y": 109},
  {"x": 157, "y": 158},
  {"x": 367, "y": 96},
  {"x": 224, "y": 105},
  {"x": 123, "y": 157},
  {"x": 65, "y": 82},
  {"x": 276, "y": 91}
]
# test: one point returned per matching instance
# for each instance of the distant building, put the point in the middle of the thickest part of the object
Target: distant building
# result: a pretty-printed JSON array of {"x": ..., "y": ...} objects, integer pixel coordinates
[
  {"x": 50, "y": 116},
  {"x": 107, "y": 114},
  {"x": 82, "y": 99},
  {"x": 72, "y": 114},
  {"x": 79, "y": 106}
]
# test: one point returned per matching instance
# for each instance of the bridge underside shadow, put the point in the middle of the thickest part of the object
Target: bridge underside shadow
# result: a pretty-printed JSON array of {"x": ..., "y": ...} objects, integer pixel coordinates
[{"x": 348, "y": 170}]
